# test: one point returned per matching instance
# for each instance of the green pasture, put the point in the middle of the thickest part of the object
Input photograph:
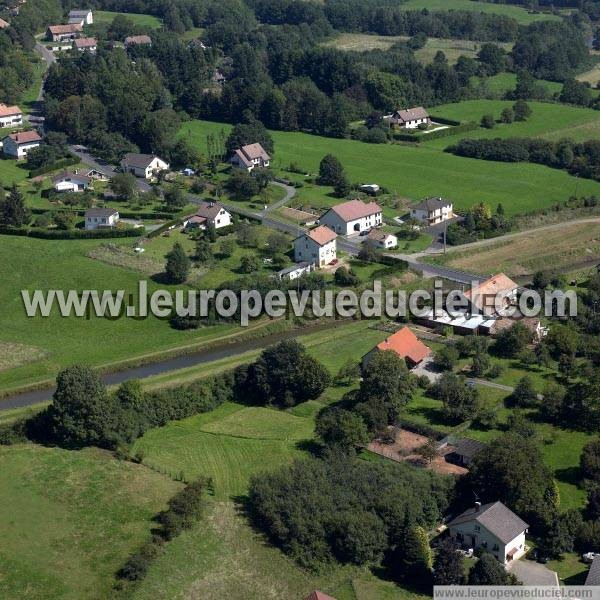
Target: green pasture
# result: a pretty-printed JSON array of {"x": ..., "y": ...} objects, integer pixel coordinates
[{"x": 149, "y": 21}]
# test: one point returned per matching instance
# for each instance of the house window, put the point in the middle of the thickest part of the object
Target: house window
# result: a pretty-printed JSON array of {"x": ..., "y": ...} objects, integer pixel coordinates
[
  {"x": 477, "y": 528},
  {"x": 495, "y": 548},
  {"x": 484, "y": 544}
]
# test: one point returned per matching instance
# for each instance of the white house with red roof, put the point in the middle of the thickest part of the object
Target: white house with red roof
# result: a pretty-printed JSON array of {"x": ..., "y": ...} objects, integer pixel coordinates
[
  {"x": 317, "y": 246},
  {"x": 10, "y": 116},
  {"x": 18, "y": 145},
  {"x": 250, "y": 156},
  {"x": 405, "y": 344},
  {"x": 59, "y": 33},
  {"x": 409, "y": 118},
  {"x": 493, "y": 296},
  {"x": 88, "y": 44},
  {"x": 353, "y": 216}
]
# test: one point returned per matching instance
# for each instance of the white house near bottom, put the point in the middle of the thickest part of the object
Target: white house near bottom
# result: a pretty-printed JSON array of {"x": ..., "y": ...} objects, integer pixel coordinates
[
  {"x": 99, "y": 218},
  {"x": 211, "y": 214},
  {"x": 492, "y": 527},
  {"x": 71, "y": 182},
  {"x": 143, "y": 165},
  {"x": 353, "y": 216},
  {"x": 432, "y": 211},
  {"x": 381, "y": 239},
  {"x": 85, "y": 45},
  {"x": 18, "y": 145},
  {"x": 10, "y": 116},
  {"x": 295, "y": 271},
  {"x": 409, "y": 118},
  {"x": 317, "y": 247}
]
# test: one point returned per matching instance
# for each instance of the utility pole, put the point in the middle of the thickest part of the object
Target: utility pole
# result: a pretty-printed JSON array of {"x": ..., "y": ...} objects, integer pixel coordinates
[{"x": 445, "y": 234}]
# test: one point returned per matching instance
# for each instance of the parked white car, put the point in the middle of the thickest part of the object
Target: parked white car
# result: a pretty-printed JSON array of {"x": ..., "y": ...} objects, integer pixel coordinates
[{"x": 588, "y": 557}]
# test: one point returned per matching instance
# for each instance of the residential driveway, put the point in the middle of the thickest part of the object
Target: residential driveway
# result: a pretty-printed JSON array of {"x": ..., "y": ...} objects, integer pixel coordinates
[
  {"x": 533, "y": 573},
  {"x": 426, "y": 367}
]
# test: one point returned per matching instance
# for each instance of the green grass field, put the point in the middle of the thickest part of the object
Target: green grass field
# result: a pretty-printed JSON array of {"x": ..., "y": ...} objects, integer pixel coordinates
[
  {"x": 516, "y": 12},
  {"x": 105, "y": 16},
  {"x": 229, "y": 444},
  {"x": 416, "y": 172},
  {"x": 452, "y": 48},
  {"x": 42, "y": 264},
  {"x": 68, "y": 520},
  {"x": 550, "y": 121},
  {"x": 506, "y": 82}
]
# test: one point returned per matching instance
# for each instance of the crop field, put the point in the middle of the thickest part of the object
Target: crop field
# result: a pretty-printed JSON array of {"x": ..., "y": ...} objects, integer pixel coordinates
[
  {"x": 516, "y": 12},
  {"x": 105, "y": 16},
  {"x": 32, "y": 264},
  {"x": 452, "y": 48},
  {"x": 564, "y": 246},
  {"x": 416, "y": 172},
  {"x": 68, "y": 520},
  {"x": 550, "y": 121}
]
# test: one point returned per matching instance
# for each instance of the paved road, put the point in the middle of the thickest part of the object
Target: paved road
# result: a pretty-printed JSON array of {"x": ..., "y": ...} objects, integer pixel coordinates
[
  {"x": 290, "y": 192},
  {"x": 100, "y": 165}
]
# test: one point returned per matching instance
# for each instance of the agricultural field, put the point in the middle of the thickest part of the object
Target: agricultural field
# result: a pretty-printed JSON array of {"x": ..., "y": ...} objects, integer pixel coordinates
[
  {"x": 565, "y": 246},
  {"x": 549, "y": 121},
  {"x": 499, "y": 84},
  {"x": 149, "y": 21},
  {"x": 523, "y": 16},
  {"x": 452, "y": 48},
  {"x": 43, "y": 264},
  {"x": 415, "y": 172},
  {"x": 70, "y": 519}
]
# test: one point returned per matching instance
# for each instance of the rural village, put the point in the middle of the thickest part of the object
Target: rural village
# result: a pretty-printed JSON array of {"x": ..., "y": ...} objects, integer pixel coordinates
[{"x": 297, "y": 145}]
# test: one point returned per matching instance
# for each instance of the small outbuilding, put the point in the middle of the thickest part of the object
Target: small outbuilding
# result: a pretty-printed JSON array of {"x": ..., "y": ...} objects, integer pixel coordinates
[{"x": 101, "y": 218}]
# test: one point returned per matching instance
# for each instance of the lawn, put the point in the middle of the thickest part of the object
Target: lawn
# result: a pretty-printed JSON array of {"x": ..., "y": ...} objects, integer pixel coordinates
[
  {"x": 68, "y": 520},
  {"x": 564, "y": 246},
  {"x": 523, "y": 16},
  {"x": 149, "y": 21},
  {"x": 416, "y": 172},
  {"x": 229, "y": 445},
  {"x": 11, "y": 171},
  {"x": 42, "y": 264},
  {"x": 506, "y": 82},
  {"x": 548, "y": 120}
]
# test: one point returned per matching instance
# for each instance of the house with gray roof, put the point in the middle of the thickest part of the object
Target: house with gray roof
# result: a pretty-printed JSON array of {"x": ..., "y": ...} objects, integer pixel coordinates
[
  {"x": 593, "y": 576},
  {"x": 209, "y": 214},
  {"x": 145, "y": 166},
  {"x": 101, "y": 218},
  {"x": 409, "y": 118},
  {"x": 492, "y": 527},
  {"x": 462, "y": 451},
  {"x": 81, "y": 17},
  {"x": 432, "y": 210}
]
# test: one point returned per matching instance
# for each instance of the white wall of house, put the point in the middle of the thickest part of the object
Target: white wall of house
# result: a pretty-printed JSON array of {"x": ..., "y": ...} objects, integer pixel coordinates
[
  {"x": 11, "y": 120},
  {"x": 335, "y": 222},
  {"x": 148, "y": 172},
  {"x": 474, "y": 535},
  {"x": 433, "y": 216},
  {"x": 18, "y": 150},
  {"x": 390, "y": 241},
  {"x": 98, "y": 222},
  {"x": 413, "y": 124},
  {"x": 256, "y": 162},
  {"x": 71, "y": 185},
  {"x": 307, "y": 250},
  {"x": 223, "y": 219}
]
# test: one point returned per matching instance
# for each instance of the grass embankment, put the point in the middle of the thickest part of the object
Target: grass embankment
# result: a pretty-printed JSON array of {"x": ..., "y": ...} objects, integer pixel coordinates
[
  {"x": 68, "y": 520},
  {"x": 416, "y": 172}
]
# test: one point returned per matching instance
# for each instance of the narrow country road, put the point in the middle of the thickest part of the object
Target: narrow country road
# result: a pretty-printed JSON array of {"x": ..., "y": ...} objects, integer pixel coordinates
[{"x": 290, "y": 192}]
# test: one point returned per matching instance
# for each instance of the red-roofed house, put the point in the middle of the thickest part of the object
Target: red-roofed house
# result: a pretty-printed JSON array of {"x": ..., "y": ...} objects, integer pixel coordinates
[
  {"x": 317, "y": 246},
  {"x": 405, "y": 344},
  {"x": 497, "y": 291},
  {"x": 317, "y": 595},
  {"x": 18, "y": 145},
  {"x": 250, "y": 156},
  {"x": 85, "y": 44},
  {"x": 138, "y": 40},
  {"x": 58, "y": 33},
  {"x": 352, "y": 217},
  {"x": 10, "y": 116}
]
